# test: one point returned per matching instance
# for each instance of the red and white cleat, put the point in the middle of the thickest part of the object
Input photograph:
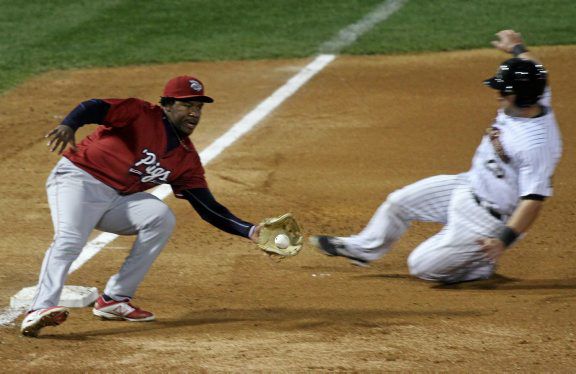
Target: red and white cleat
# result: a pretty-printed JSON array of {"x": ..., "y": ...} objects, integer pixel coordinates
[
  {"x": 120, "y": 310},
  {"x": 36, "y": 320}
]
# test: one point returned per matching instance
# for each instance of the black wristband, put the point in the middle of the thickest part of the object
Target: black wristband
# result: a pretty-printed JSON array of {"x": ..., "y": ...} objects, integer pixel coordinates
[
  {"x": 518, "y": 49},
  {"x": 508, "y": 236}
]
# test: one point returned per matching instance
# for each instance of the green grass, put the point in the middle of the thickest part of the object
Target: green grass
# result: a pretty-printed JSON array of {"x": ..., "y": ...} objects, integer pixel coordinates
[
  {"x": 443, "y": 25},
  {"x": 41, "y": 35}
]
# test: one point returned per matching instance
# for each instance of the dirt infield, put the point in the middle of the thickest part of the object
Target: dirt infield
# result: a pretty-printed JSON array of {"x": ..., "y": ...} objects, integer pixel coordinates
[{"x": 360, "y": 129}]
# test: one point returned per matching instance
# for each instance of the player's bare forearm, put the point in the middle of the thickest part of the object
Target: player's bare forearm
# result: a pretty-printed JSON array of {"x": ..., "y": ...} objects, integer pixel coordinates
[
  {"x": 522, "y": 218},
  {"x": 508, "y": 40},
  {"x": 524, "y": 215}
]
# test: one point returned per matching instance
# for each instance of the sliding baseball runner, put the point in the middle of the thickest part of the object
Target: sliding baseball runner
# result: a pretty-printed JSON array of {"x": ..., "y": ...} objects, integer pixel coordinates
[{"x": 486, "y": 209}]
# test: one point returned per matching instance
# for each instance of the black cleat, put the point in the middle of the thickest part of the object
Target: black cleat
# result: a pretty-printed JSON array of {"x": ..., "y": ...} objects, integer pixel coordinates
[{"x": 332, "y": 246}]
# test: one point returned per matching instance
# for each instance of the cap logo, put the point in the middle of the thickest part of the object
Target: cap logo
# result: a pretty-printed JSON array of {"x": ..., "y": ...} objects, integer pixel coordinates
[{"x": 195, "y": 85}]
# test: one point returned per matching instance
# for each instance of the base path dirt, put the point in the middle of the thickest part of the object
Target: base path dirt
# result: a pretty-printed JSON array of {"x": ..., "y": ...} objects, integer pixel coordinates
[{"x": 362, "y": 128}]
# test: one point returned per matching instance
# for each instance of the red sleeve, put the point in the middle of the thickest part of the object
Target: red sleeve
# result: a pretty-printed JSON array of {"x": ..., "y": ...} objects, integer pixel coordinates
[{"x": 124, "y": 112}]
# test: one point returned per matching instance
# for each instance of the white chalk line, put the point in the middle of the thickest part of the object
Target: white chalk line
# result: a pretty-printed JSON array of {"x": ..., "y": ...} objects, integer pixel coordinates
[
  {"x": 9, "y": 314},
  {"x": 348, "y": 35},
  {"x": 342, "y": 39}
]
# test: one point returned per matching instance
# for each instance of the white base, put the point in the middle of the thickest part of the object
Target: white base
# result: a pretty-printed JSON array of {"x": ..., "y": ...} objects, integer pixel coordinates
[{"x": 72, "y": 297}]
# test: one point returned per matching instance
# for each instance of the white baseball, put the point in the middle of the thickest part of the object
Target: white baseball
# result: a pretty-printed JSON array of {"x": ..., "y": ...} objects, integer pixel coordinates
[{"x": 282, "y": 241}]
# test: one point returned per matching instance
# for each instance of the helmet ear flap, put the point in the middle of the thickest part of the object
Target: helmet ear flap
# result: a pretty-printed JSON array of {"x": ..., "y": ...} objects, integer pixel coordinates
[{"x": 525, "y": 101}]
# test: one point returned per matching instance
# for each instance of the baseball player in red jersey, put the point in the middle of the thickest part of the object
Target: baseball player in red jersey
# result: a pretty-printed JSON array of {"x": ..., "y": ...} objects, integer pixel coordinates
[
  {"x": 100, "y": 183},
  {"x": 487, "y": 208}
]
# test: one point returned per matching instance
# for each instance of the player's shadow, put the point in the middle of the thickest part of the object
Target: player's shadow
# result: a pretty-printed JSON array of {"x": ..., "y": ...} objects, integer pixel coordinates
[
  {"x": 501, "y": 282},
  {"x": 268, "y": 318},
  {"x": 497, "y": 282},
  {"x": 386, "y": 276}
]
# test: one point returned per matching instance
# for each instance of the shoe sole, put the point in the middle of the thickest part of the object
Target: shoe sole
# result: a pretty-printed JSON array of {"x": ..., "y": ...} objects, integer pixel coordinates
[
  {"x": 359, "y": 263},
  {"x": 114, "y": 317},
  {"x": 53, "y": 318},
  {"x": 316, "y": 243},
  {"x": 356, "y": 262}
]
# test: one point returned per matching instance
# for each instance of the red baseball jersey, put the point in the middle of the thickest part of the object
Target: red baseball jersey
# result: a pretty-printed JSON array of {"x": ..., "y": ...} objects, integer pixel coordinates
[{"x": 128, "y": 151}]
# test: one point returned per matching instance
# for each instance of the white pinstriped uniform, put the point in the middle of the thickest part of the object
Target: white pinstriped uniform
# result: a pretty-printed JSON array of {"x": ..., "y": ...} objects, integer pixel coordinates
[{"x": 534, "y": 148}]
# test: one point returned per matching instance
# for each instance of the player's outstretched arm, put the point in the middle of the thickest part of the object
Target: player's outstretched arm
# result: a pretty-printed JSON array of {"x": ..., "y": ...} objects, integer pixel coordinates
[
  {"x": 218, "y": 215},
  {"x": 510, "y": 41}
]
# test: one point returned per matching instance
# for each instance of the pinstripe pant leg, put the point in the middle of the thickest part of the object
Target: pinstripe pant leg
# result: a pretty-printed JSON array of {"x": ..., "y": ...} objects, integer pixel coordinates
[
  {"x": 426, "y": 200},
  {"x": 453, "y": 255}
]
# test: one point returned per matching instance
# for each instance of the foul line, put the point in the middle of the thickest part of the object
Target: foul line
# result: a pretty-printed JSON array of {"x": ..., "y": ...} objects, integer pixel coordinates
[
  {"x": 348, "y": 35},
  {"x": 329, "y": 49}
]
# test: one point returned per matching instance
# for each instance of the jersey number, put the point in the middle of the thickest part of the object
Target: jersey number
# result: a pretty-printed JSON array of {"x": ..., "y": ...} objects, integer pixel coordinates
[{"x": 494, "y": 168}]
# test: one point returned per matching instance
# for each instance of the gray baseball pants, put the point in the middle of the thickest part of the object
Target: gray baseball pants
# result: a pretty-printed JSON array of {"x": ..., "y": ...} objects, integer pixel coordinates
[{"x": 79, "y": 203}]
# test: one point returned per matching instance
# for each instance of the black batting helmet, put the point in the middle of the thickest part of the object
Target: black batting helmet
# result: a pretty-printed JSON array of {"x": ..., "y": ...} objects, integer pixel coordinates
[{"x": 523, "y": 78}]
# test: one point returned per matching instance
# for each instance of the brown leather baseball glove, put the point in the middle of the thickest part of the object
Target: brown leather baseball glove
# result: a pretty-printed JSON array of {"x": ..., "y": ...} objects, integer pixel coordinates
[{"x": 280, "y": 236}]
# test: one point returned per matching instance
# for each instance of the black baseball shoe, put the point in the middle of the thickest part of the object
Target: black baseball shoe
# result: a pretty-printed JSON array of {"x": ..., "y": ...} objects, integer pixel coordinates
[{"x": 332, "y": 246}]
